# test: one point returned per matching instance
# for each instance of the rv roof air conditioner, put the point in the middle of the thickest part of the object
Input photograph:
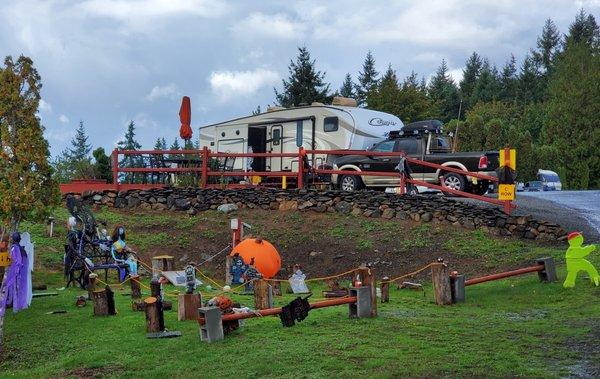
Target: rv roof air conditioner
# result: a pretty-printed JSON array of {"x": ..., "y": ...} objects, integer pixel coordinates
[{"x": 344, "y": 101}]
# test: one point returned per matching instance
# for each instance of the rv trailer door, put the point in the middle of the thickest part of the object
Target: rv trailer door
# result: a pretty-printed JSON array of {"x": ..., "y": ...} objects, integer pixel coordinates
[{"x": 275, "y": 146}]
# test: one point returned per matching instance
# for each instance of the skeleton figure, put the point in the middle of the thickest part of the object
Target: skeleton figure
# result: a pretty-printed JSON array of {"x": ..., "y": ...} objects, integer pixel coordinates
[
  {"x": 119, "y": 252},
  {"x": 237, "y": 270}
]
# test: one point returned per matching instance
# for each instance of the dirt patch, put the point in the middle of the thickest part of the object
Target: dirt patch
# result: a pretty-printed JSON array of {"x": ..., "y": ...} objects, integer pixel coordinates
[
  {"x": 588, "y": 363},
  {"x": 322, "y": 243}
]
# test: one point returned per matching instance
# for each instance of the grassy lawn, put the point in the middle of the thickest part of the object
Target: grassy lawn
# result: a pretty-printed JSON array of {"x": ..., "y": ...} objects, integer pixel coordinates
[{"x": 513, "y": 327}]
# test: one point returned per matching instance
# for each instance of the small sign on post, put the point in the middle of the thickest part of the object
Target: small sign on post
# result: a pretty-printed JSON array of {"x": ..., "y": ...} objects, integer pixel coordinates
[{"x": 506, "y": 192}]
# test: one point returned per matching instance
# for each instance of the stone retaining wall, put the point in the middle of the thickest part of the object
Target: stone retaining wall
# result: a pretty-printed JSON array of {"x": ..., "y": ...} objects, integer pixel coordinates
[{"x": 423, "y": 208}]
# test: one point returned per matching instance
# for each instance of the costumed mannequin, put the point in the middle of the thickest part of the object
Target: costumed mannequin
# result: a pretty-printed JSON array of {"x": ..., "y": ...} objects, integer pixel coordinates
[
  {"x": 297, "y": 281},
  {"x": 119, "y": 252},
  {"x": 14, "y": 289},
  {"x": 29, "y": 250},
  {"x": 249, "y": 275}
]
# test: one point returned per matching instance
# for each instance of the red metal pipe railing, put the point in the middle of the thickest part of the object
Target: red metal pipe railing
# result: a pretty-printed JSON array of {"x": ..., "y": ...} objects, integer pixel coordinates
[
  {"x": 276, "y": 311},
  {"x": 503, "y": 275}
]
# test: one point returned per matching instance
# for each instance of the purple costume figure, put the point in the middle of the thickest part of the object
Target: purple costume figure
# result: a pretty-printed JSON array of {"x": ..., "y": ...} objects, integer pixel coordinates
[{"x": 14, "y": 290}]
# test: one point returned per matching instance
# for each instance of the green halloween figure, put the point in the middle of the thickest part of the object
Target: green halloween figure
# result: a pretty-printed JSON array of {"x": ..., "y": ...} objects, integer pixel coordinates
[{"x": 575, "y": 262}]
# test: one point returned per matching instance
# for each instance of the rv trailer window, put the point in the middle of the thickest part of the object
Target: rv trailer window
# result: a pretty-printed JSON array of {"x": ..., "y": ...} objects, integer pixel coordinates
[
  {"x": 276, "y": 136},
  {"x": 299, "y": 131},
  {"x": 330, "y": 124}
]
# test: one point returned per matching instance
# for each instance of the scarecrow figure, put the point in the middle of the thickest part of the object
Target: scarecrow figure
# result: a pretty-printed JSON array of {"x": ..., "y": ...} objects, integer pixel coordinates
[
  {"x": 575, "y": 262},
  {"x": 249, "y": 275}
]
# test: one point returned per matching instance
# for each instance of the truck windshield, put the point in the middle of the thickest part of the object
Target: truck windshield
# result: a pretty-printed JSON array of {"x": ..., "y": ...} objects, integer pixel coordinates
[{"x": 548, "y": 178}]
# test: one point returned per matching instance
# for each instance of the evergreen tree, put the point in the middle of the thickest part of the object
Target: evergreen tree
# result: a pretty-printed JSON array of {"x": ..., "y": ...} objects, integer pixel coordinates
[
  {"x": 160, "y": 144},
  {"x": 487, "y": 85},
  {"x": 305, "y": 83},
  {"x": 347, "y": 88},
  {"x": 584, "y": 30},
  {"x": 469, "y": 80},
  {"x": 573, "y": 105},
  {"x": 367, "y": 80},
  {"x": 384, "y": 97},
  {"x": 175, "y": 146},
  {"x": 530, "y": 87},
  {"x": 256, "y": 111},
  {"x": 76, "y": 162},
  {"x": 102, "y": 164},
  {"x": 80, "y": 149},
  {"x": 130, "y": 143},
  {"x": 508, "y": 81},
  {"x": 444, "y": 94},
  {"x": 548, "y": 45}
]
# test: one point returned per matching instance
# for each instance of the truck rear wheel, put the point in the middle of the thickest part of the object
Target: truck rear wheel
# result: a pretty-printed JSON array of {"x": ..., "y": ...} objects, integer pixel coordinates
[
  {"x": 350, "y": 183},
  {"x": 455, "y": 181}
]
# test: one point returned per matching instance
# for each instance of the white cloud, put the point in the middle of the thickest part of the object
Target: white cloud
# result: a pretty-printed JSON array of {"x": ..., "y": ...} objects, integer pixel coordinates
[
  {"x": 63, "y": 119},
  {"x": 168, "y": 91},
  {"x": 227, "y": 84},
  {"x": 129, "y": 10},
  {"x": 44, "y": 106},
  {"x": 278, "y": 26},
  {"x": 456, "y": 74}
]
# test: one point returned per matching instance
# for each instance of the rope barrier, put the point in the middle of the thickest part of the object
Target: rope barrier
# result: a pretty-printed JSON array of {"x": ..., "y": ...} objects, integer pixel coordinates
[
  {"x": 410, "y": 274},
  {"x": 316, "y": 279}
]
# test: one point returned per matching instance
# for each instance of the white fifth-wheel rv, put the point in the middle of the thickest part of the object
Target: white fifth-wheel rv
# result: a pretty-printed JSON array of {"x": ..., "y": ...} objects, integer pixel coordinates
[{"x": 341, "y": 125}]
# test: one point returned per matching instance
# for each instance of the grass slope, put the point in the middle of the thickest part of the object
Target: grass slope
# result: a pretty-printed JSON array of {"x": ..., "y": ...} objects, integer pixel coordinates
[{"x": 513, "y": 327}]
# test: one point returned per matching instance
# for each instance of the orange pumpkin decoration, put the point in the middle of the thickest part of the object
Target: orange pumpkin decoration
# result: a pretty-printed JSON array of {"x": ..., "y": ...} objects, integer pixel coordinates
[{"x": 266, "y": 257}]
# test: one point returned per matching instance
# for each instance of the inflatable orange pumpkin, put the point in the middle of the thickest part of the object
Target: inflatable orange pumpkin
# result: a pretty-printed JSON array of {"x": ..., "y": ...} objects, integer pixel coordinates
[{"x": 266, "y": 257}]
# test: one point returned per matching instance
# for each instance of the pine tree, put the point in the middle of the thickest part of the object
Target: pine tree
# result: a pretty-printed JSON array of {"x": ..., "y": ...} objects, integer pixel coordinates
[
  {"x": 102, "y": 164},
  {"x": 530, "y": 88},
  {"x": 256, "y": 111},
  {"x": 385, "y": 96},
  {"x": 80, "y": 149},
  {"x": 347, "y": 88},
  {"x": 584, "y": 29},
  {"x": 548, "y": 45},
  {"x": 160, "y": 144},
  {"x": 305, "y": 83},
  {"x": 573, "y": 105},
  {"x": 444, "y": 94},
  {"x": 487, "y": 85},
  {"x": 130, "y": 143},
  {"x": 508, "y": 81},
  {"x": 27, "y": 190},
  {"x": 175, "y": 146},
  {"x": 469, "y": 80},
  {"x": 76, "y": 162},
  {"x": 367, "y": 80}
]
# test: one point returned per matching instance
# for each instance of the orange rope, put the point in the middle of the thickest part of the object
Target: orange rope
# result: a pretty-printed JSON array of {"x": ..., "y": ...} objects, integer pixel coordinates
[{"x": 410, "y": 274}]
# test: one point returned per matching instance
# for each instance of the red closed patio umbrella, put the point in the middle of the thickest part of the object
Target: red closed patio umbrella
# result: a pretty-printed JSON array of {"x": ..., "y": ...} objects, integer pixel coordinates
[{"x": 185, "y": 116}]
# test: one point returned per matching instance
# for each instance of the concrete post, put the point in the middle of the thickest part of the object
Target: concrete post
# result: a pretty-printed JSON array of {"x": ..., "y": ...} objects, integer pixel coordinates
[
  {"x": 212, "y": 330},
  {"x": 549, "y": 272},
  {"x": 362, "y": 307},
  {"x": 457, "y": 286}
]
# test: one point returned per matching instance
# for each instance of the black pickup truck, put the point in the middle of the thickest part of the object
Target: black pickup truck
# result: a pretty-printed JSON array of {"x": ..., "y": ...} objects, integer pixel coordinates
[{"x": 423, "y": 140}]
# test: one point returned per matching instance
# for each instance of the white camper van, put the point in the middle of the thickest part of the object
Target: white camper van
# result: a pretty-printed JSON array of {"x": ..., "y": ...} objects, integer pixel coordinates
[{"x": 284, "y": 130}]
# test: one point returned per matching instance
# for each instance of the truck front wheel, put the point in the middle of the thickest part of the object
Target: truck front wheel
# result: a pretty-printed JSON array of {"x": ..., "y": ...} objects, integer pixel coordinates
[
  {"x": 455, "y": 181},
  {"x": 350, "y": 183}
]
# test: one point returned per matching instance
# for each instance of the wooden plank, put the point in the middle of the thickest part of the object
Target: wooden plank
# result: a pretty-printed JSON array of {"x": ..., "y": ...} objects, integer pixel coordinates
[{"x": 187, "y": 307}]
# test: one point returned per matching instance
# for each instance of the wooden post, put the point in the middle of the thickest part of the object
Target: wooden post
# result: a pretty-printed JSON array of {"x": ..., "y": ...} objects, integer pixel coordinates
[
  {"x": 154, "y": 322},
  {"x": 228, "y": 277},
  {"x": 188, "y": 304},
  {"x": 385, "y": 290},
  {"x": 136, "y": 291},
  {"x": 441, "y": 284},
  {"x": 367, "y": 277},
  {"x": 100, "y": 301},
  {"x": 262, "y": 294},
  {"x": 91, "y": 287}
]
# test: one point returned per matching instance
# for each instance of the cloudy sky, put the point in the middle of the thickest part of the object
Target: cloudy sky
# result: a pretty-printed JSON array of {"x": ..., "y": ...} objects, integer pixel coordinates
[{"x": 110, "y": 61}]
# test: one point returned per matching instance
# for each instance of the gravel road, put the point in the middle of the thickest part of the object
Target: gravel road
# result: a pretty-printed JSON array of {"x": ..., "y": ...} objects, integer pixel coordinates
[{"x": 573, "y": 210}]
